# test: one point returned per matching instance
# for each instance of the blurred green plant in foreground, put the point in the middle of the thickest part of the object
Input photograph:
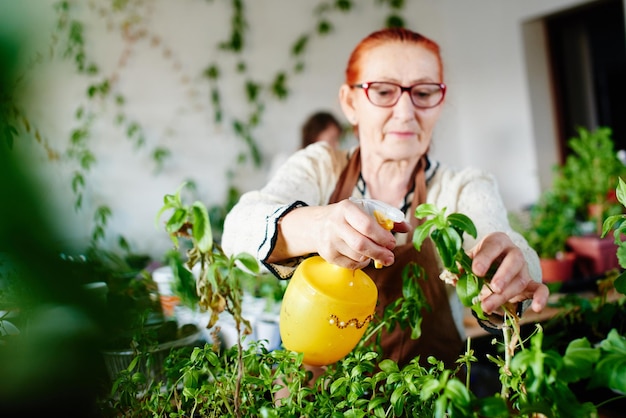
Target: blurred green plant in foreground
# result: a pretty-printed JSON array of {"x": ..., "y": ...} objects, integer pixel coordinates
[{"x": 52, "y": 366}]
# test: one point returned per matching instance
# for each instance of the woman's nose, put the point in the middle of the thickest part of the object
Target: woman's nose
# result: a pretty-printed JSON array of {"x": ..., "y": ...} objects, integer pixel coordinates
[{"x": 404, "y": 108}]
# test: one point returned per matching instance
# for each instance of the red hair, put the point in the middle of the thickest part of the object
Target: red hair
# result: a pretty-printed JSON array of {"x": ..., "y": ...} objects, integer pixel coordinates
[{"x": 382, "y": 37}]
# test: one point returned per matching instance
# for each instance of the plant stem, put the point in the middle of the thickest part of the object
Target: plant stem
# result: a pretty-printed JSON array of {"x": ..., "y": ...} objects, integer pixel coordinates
[
  {"x": 371, "y": 331},
  {"x": 237, "y": 394},
  {"x": 468, "y": 364},
  {"x": 506, "y": 332}
]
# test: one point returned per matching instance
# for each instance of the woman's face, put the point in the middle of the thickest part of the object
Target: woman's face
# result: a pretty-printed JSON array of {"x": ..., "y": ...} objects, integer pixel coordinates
[{"x": 402, "y": 131}]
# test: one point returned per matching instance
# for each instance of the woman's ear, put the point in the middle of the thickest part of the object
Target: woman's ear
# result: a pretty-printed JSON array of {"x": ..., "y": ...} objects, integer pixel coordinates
[{"x": 346, "y": 100}]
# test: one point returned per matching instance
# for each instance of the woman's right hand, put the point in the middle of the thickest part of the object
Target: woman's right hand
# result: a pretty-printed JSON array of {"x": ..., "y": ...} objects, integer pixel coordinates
[{"x": 341, "y": 233}]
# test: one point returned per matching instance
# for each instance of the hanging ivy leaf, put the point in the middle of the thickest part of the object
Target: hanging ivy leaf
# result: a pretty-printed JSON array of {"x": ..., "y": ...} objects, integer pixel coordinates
[
  {"x": 394, "y": 21},
  {"x": 300, "y": 46},
  {"x": 78, "y": 182},
  {"x": 279, "y": 86},
  {"x": 324, "y": 27},
  {"x": 159, "y": 155},
  {"x": 343, "y": 5},
  {"x": 102, "y": 215},
  {"x": 252, "y": 91},
  {"x": 78, "y": 135},
  {"x": 212, "y": 72},
  {"x": 87, "y": 159}
]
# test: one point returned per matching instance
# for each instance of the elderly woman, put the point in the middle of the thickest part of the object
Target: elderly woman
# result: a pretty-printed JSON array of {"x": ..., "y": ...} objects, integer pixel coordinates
[{"x": 305, "y": 210}]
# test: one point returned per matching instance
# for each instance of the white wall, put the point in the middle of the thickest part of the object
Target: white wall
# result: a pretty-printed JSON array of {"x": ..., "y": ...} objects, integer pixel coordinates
[{"x": 487, "y": 122}]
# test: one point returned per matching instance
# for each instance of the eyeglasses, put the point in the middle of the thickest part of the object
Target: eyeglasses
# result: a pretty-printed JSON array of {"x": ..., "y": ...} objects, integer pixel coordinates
[{"x": 386, "y": 94}]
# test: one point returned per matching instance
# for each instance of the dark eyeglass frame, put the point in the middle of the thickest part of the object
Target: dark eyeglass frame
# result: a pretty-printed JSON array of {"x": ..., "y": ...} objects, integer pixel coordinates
[{"x": 366, "y": 86}]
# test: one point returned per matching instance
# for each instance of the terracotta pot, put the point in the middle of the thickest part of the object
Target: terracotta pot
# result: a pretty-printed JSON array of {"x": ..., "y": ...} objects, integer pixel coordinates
[
  {"x": 556, "y": 270},
  {"x": 594, "y": 255}
]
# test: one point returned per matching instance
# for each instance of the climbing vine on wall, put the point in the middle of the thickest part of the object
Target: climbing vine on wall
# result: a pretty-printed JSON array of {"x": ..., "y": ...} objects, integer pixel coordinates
[{"x": 130, "y": 18}]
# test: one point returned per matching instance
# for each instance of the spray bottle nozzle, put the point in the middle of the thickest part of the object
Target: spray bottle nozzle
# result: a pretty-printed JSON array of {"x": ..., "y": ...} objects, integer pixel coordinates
[{"x": 386, "y": 215}]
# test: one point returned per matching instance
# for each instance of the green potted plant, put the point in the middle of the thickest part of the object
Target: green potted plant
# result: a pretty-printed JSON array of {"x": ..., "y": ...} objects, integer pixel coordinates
[
  {"x": 551, "y": 223},
  {"x": 136, "y": 326},
  {"x": 588, "y": 179}
]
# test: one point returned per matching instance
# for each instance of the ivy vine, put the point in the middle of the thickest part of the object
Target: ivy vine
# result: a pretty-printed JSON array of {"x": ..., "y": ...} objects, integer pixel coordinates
[{"x": 68, "y": 41}]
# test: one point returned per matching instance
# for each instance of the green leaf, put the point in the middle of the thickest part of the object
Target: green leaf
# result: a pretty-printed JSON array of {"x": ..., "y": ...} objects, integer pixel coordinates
[
  {"x": 620, "y": 283},
  {"x": 184, "y": 285},
  {"x": 611, "y": 372},
  {"x": 457, "y": 393},
  {"x": 421, "y": 233},
  {"x": 463, "y": 223},
  {"x": 394, "y": 21},
  {"x": 78, "y": 182},
  {"x": 248, "y": 261},
  {"x": 202, "y": 234},
  {"x": 448, "y": 243},
  {"x": 102, "y": 214},
  {"x": 478, "y": 309},
  {"x": 609, "y": 223},
  {"x": 343, "y": 5},
  {"x": 430, "y": 388},
  {"x": 176, "y": 221},
  {"x": 388, "y": 366},
  {"x": 620, "y": 191},
  {"x": 279, "y": 86},
  {"x": 493, "y": 407},
  {"x": 467, "y": 288},
  {"x": 578, "y": 361},
  {"x": 300, "y": 46},
  {"x": 397, "y": 400},
  {"x": 171, "y": 201},
  {"x": 338, "y": 384},
  {"x": 377, "y": 402},
  {"x": 324, "y": 27},
  {"x": 427, "y": 209},
  {"x": 212, "y": 72}
]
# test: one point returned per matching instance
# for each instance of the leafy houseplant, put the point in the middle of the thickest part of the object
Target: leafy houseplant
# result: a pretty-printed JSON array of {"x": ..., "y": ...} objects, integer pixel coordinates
[
  {"x": 551, "y": 223},
  {"x": 237, "y": 382},
  {"x": 588, "y": 178}
]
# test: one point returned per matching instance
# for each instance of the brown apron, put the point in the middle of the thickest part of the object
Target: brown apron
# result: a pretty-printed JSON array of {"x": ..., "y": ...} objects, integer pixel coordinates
[{"x": 440, "y": 336}]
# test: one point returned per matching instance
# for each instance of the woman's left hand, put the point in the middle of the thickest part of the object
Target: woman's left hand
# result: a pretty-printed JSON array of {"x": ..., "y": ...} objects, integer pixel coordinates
[{"x": 512, "y": 281}]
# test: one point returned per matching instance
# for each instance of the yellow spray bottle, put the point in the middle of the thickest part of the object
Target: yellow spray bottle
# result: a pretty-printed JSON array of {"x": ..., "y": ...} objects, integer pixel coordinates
[{"x": 326, "y": 308}]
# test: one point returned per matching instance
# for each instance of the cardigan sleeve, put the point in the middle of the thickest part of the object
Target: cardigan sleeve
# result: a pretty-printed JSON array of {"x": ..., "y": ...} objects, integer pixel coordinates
[{"x": 307, "y": 178}]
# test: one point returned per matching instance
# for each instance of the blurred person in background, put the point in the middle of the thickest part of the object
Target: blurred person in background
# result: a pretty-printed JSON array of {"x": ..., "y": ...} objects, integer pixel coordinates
[{"x": 321, "y": 126}]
